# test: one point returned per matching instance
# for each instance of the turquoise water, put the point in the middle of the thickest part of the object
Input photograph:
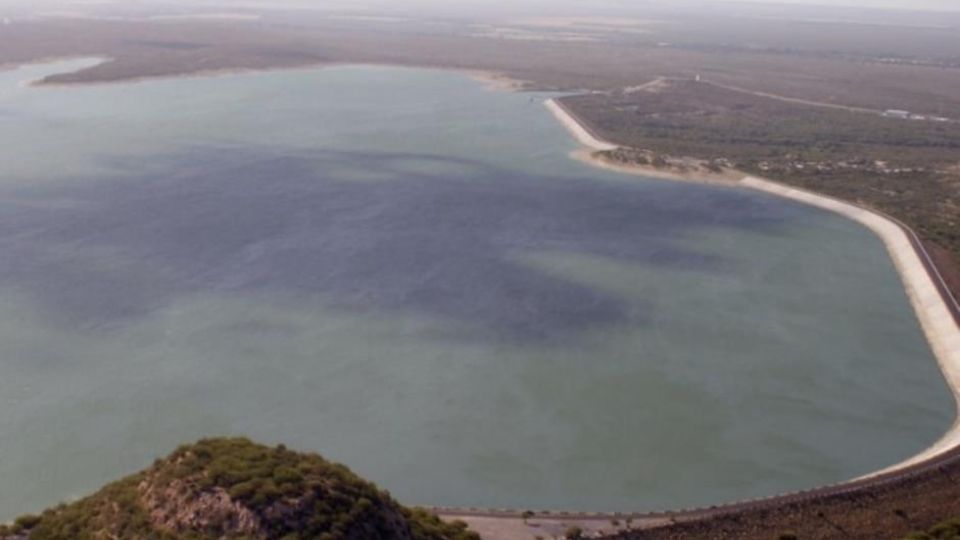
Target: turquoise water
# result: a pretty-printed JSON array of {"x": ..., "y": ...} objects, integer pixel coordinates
[{"x": 403, "y": 270}]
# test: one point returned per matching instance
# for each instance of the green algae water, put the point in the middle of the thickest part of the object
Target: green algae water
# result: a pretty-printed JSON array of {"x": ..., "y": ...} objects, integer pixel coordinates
[{"x": 403, "y": 270}]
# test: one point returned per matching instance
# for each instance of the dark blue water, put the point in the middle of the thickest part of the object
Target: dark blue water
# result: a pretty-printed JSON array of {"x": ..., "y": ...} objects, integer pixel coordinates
[{"x": 404, "y": 271}]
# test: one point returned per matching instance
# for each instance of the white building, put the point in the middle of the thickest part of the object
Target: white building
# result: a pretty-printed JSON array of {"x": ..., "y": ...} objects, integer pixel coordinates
[{"x": 896, "y": 113}]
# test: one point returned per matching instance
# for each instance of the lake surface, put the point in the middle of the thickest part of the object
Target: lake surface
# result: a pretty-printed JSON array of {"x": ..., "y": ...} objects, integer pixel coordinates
[{"x": 402, "y": 270}]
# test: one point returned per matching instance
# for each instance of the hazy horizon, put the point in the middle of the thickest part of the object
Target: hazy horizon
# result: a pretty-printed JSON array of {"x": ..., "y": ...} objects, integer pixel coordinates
[{"x": 495, "y": 5}]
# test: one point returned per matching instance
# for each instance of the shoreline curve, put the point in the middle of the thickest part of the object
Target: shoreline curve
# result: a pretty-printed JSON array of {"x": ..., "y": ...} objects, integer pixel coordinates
[
  {"x": 937, "y": 311},
  {"x": 935, "y": 307}
]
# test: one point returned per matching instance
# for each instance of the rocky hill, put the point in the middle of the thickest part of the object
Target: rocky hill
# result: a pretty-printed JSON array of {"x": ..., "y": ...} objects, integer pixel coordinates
[{"x": 234, "y": 489}]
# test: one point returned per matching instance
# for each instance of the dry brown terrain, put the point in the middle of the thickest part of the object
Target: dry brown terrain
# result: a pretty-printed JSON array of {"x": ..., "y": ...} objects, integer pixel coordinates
[
  {"x": 881, "y": 513},
  {"x": 152, "y": 49}
]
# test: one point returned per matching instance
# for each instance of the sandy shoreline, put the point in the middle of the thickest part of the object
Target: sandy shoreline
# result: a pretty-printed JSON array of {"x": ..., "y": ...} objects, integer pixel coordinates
[
  {"x": 932, "y": 308},
  {"x": 581, "y": 133},
  {"x": 498, "y": 82},
  {"x": 649, "y": 171}
]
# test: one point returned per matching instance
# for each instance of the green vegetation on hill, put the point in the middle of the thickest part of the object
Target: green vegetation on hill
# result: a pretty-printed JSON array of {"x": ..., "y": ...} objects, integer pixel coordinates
[
  {"x": 235, "y": 489},
  {"x": 948, "y": 530}
]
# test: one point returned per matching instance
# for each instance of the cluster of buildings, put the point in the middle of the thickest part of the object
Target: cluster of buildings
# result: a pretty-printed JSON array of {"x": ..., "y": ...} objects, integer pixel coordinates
[{"x": 874, "y": 167}]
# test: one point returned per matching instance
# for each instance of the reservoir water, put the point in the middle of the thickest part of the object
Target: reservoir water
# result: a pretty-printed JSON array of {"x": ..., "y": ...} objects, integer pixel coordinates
[{"x": 402, "y": 269}]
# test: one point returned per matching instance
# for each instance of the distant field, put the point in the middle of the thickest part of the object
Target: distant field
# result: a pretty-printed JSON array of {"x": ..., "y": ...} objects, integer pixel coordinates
[{"x": 610, "y": 60}]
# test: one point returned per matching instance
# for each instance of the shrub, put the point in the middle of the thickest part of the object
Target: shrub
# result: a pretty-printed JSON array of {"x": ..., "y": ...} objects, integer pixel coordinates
[{"x": 25, "y": 523}]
